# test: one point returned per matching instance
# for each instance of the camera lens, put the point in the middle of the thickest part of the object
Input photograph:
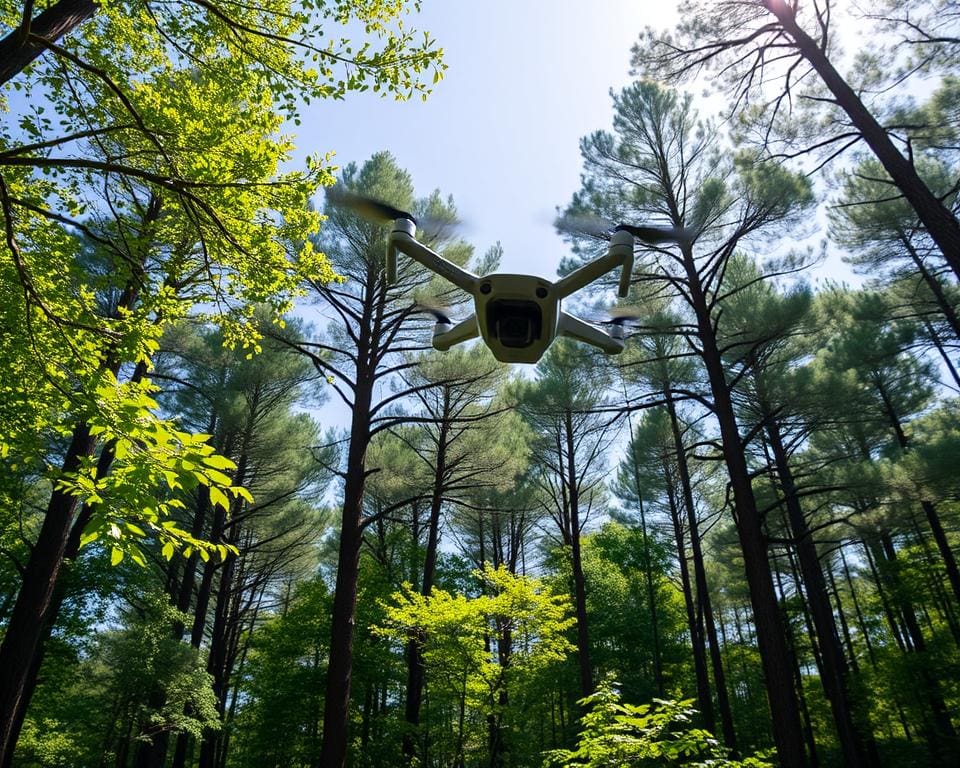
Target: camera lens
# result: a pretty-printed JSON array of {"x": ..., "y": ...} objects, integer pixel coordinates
[
  {"x": 515, "y": 323},
  {"x": 514, "y": 331}
]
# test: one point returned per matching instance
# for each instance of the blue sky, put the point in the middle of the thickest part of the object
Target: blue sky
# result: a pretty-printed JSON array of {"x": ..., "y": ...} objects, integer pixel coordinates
[{"x": 526, "y": 80}]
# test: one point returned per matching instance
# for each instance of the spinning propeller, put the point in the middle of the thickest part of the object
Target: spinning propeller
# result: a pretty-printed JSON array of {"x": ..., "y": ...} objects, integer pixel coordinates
[
  {"x": 518, "y": 316},
  {"x": 378, "y": 212},
  {"x": 598, "y": 226}
]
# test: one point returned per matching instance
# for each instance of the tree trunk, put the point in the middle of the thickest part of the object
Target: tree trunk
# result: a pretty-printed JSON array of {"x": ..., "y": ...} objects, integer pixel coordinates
[
  {"x": 771, "y": 636},
  {"x": 798, "y": 677},
  {"x": 415, "y": 664},
  {"x": 834, "y": 672},
  {"x": 579, "y": 585},
  {"x": 704, "y": 606},
  {"x": 18, "y": 49},
  {"x": 704, "y": 699},
  {"x": 931, "y": 281},
  {"x": 32, "y": 610},
  {"x": 940, "y": 735},
  {"x": 929, "y": 510},
  {"x": 941, "y": 224},
  {"x": 336, "y": 709},
  {"x": 651, "y": 595}
]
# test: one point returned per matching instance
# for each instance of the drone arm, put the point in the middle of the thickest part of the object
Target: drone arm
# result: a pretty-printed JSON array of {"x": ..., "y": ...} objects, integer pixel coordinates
[
  {"x": 620, "y": 254},
  {"x": 463, "y": 331},
  {"x": 576, "y": 328},
  {"x": 402, "y": 240}
]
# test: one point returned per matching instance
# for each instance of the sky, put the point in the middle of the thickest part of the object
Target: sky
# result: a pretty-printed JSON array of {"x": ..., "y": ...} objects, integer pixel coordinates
[{"x": 526, "y": 80}]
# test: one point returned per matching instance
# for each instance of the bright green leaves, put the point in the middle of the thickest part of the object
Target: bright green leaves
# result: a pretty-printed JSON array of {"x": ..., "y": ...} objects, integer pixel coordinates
[
  {"x": 615, "y": 734},
  {"x": 153, "y": 465},
  {"x": 453, "y": 630}
]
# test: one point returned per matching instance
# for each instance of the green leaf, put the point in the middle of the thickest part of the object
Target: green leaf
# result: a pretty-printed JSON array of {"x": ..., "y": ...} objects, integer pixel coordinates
[
  {"x": 218, "y": 498},
  {"x": 116, "y": 556},
  {"x": 219, "y": 462}
]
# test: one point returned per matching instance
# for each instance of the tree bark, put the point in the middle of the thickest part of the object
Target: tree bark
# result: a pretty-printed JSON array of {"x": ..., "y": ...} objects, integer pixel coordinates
[
  {"x": 771, "y": 635},
  {"x": 704, "y": 698},
  {"x": 415, "y": 664},
  {"x": 936, "y": 217},
  {"x": 704, "y": 606},
  {"x": 929, "y": 510},
  {"x": 834, "y": 671},
  {"x": 21, "y": 46},
  {"x": 579, "y": 585},
  {"x": 336, "y": 709}
]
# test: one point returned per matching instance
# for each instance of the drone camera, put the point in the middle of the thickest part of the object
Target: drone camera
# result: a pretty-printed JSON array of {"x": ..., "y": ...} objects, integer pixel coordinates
[{"x": 515, "y": 323}]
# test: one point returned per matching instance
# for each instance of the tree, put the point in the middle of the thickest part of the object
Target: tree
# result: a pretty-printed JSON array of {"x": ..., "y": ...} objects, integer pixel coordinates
[
  {"x": 662, "y": 167},
  {"x": 469, "y": 445},
  {"x": 770, "y": 398},
  {"x": 572, "y": 437},
  {"x": 283, "y": 682},
  {"x": 185, "y": 209},
  {"x": 249, "y": 407},
  {"x": 375, "y": 326},
  {"x": 757, "y": 44},
  {"x": 455, "y": 632}
]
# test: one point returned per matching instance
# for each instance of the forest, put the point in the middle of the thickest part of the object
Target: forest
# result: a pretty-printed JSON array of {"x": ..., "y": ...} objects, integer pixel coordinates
[{"x": 734, "y": 544}]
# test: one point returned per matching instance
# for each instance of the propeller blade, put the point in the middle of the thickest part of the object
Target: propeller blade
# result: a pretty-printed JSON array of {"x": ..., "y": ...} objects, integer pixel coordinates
[
  {"x": 369, "y": 208},
  {"x": 621, "y": 316},
  {"x": 656, "y": 235},
  {"x": 585, "y": 224},
  {"x": 440, "y": 313},
  {"x": 439, "y": 226},
  {"x": 599, "y": 226},
  {"x": 380, "y": 212}
]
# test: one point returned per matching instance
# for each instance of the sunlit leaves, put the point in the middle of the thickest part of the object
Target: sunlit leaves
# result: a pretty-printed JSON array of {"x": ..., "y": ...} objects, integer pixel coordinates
[
  {"x": 616, "y": 734},
  {"x": 455, "y": 630}
]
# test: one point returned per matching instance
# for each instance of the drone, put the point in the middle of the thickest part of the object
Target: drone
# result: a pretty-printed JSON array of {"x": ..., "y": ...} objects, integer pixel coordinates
[{"x": 517, "y": 316}]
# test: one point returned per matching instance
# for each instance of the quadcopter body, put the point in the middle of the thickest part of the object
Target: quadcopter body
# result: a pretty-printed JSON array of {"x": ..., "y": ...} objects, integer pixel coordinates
[{"x": 517, "y": 316}]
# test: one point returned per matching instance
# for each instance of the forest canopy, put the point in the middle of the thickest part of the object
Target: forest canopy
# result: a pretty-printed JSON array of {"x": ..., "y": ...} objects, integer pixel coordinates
[{"x": 732, "y": 544}]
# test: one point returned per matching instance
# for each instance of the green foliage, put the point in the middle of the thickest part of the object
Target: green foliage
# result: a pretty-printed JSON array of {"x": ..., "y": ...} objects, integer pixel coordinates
[
  {"x": 120, "y": 679},
  {"x": 479, "y": 649},
  {"x": 659, "y": 734},
  {"x": 283, "y": 682},
  {"x": 453, "y": 628},
  {"x": 618, "y": 609},
  {"x": 131, "y": 201}
]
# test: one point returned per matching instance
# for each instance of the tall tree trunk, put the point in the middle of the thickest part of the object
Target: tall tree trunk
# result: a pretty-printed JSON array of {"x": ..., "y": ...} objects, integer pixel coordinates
[
  {"x": 931, "y": 281},
  {"x": 939, "y": 734},
  {"x": 704, "y": 698},
  {"x": 704, "y": 607},
  {"x": 336, "y": 709},
  {"x": 651, "y": 596},
  {"x": 929, "y": 510},
  {"x": 861, "y": 623},
  {"x": 579, "y": 584},
  {"x": 944, "y": 355},
  {"x": 798, "y": 677},
  {"x": 834, "y": 672},
  {"x": 771, "y": 635},
  {"x": 35, "y": 610},
  {"x": 32, "y": 611},
  {"x": 936, "y": 217},
  {"x": 416, "y": 668}
]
